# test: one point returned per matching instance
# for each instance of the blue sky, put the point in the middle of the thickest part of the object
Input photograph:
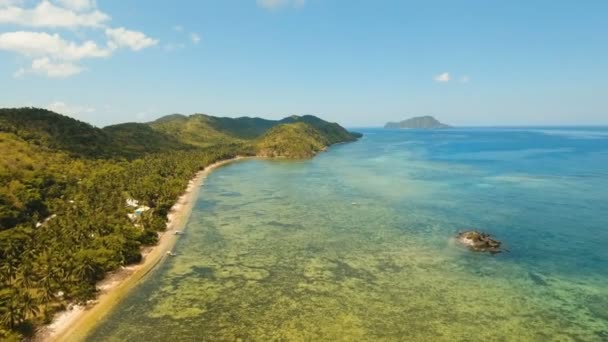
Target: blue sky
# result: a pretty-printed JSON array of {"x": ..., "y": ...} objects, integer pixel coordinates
[{"x": 360, "y": 63}]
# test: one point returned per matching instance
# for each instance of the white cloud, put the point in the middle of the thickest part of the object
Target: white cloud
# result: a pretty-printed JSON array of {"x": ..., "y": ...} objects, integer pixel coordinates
[
  {"x": 71, "y": 110},
  {"x": 46, "y": 14},
  {"x": 50, "y": 54},
  {"x": 121, "y": 37},
  {"x": 277, "y": 4},
  {"x": 46, "y": 67},
  {"x": 6, "y": 3},
  {"x": 195, "y": 38},
  {"x": 78, "y": 5},
  {"x": 54, "y": 57},
  {"x": 442, "y": 78},
  {"x": 39, "y": 44}
]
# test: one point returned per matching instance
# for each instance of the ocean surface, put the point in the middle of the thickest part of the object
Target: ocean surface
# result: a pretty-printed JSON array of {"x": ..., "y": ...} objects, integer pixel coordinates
[{"x": 357, "y": 245}]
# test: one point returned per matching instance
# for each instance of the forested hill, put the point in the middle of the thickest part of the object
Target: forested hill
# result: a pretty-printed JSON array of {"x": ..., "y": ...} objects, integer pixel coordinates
[
  {"x": 205, "y": 130},
  {"x": 132, "y": 140},
  {"x": 64, "y": 186},
  {"x": 280, "y": 141},
  {"x": 54, "y": 131},
  {"x": 419, "y": 122}
]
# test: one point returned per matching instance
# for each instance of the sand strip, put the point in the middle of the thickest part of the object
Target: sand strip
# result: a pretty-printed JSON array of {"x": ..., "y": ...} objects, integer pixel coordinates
[{"x": 75, "y": 323}]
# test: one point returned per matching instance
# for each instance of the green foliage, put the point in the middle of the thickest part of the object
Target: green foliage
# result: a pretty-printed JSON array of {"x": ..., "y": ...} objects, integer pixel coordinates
[
  {"x": 64, "y": 185},
  {"x": 136, "y": 139},
  {"x": 295, "y": 140},
  {"x": 205, "y": 130},
  {"x": 201, "y": 129},
  {"x": 333, "y": 132},
  {"x": 302, "y": 137},
  {"x": 45, "y": 128},
  {"x": 196, "y": 130},
  {"x": 242, "y": 128}
]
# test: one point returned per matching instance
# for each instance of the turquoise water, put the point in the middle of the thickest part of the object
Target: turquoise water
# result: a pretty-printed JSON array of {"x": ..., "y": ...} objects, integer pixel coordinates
[{"x": 356, "y": 245}]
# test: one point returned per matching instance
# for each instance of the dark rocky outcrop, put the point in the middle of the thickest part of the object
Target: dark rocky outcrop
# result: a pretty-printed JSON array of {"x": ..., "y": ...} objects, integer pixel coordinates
[{"x": 479, "y": 242}]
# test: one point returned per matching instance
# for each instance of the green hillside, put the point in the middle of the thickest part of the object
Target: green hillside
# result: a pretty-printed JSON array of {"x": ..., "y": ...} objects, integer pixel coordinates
[
  {"x": 242, "y": 128},
  {"x": 292, "y": 140},
  {"x": 333, "y": 132},
  {"x": 28, "y": 176},
  {"x": 196, "y": 130},
  {"x": 174, "y": 132},
  {"x": 45, "y": 128},
  {"x": 205, "y": 130},
  {"x": 135, "y": 139},
  {"x": 64, "y": 185}
]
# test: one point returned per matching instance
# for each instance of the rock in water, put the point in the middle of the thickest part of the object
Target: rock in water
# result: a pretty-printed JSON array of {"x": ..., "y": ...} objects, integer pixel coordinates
[{"x": 479, "y": 242}]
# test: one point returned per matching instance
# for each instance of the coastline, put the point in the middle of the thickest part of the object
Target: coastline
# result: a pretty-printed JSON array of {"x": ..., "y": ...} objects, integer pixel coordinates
[{"x": 77, "y": 321}]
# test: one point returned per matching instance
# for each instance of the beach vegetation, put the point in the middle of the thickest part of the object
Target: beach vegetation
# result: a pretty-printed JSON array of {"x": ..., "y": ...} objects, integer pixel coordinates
[{"x": 64, "y": 185}]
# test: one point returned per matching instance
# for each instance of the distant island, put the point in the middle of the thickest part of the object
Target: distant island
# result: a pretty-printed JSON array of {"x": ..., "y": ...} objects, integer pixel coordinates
[
  {"x": 78, "y": 201},
  {"x": 419, "y": 122}
]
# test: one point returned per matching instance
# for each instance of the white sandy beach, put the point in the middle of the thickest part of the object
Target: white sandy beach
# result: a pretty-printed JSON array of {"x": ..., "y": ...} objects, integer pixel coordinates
[{"x": 74, "y": 323}]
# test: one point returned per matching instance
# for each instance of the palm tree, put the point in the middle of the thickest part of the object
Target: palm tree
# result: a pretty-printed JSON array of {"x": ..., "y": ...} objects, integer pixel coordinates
[
  {"x": 26, "y": 276},
  {"x": 29, "y": 304},
  {"x": 11, "y": 315},
  {"x": 10, "y": 260},
  {"x": 48, "y": 272}
]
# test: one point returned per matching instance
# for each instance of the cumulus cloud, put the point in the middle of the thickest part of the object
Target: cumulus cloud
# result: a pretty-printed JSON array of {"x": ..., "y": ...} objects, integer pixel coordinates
[
  {"x": 195, "y": 38},
  {"x": 135, "y": 40},
  {"x": 46, "y": 14},
  {"x": 50, "y": 54},
  {"x": 37, "y": 44},
  {"x": 46, "y": 67},
  {"x": 78, "y": 5},
  {"x": 277, "y": 4},
  {"x": 6, "y": 3},
  {"x": 443, "y": 77}
]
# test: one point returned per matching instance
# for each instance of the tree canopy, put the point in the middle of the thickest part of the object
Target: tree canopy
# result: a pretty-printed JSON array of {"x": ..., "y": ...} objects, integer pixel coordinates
[{"x": 64, "y": 185}]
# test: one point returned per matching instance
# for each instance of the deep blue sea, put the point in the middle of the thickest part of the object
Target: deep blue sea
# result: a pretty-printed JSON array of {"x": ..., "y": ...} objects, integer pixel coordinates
[{"x": 357, "y": 244}]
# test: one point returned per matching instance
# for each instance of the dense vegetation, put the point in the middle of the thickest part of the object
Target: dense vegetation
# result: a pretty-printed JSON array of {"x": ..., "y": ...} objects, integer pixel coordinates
[
  {"x": 295, "y": 140},
  {"x": 54, "y": 131},
  {"x": 64, "y": 186},
  {"x": 332, "y": 132}
]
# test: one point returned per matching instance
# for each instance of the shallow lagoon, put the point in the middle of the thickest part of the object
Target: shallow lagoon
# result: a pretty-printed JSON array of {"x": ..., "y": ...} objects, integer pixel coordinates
[{"x": 356, "y": 245}]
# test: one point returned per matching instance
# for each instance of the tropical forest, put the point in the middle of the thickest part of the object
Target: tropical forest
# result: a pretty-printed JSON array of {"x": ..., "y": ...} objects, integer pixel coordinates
[{"x": 65, "y": 189}]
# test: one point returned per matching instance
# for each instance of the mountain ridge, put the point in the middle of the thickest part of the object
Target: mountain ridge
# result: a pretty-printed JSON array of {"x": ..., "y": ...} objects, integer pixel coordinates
[{"x": 173, "y": 132}]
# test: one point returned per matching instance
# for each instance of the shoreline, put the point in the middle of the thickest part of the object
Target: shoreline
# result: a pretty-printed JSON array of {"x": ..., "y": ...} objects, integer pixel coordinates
[{"x": 77, "y": 321}]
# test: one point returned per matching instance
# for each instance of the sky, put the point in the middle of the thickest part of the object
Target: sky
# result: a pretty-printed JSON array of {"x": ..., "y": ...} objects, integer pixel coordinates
[{"x": 358, "y": 63}]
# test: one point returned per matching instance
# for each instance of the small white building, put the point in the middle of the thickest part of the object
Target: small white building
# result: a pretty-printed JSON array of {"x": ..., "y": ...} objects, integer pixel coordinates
[
  {"x": 137, "y": 212},
  {"x": 132, "y": 203},
  {"x": 141, "y": 209}
]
